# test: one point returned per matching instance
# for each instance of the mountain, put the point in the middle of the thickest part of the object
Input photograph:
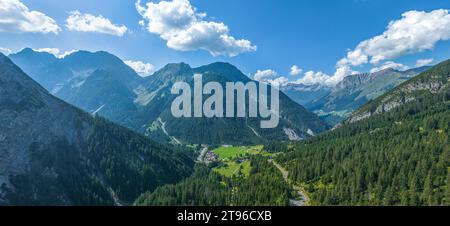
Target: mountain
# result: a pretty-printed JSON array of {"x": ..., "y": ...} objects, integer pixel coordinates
[
  {"x": 295, "y": 121},
  {"x": 304, "y": 94},
  {"x": 337, "y": 103},
  {"x": 432, "y": 82},
  {"x": 392, "y": 151},
  {"x": 96, "y": 82},
  {"x": 52, "y": 153},
  {"x": 102, "y": 84}
]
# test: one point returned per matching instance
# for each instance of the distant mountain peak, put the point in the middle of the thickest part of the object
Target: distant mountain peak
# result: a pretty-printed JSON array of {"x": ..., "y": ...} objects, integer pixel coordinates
[
  {"x": 182, "y": 66},
  {"x": 32, "y": 54},
  {"x": 19, "y": 76},
  {"x": 224, "y": 70},
  {"x": 221, "y": 64}
]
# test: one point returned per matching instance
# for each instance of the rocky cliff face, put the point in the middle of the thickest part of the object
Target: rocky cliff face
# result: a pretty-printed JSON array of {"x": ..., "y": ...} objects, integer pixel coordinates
[
  {"x": 432, "y": 81},
  {"x": 356, "y": 90},
  {"x": 52, "y": 153},
  {"x": 31, "y": 117}
]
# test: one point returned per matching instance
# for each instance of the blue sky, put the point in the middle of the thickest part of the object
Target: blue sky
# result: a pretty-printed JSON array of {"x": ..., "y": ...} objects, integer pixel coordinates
[{"x": 314, "y": 35}]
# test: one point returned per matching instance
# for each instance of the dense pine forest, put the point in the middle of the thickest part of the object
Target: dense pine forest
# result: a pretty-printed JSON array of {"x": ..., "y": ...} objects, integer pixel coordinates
[
  {"x": 263, "y": 187},
  {"x": 397, "y": 158},
  {"x": 134, "y": 164}
]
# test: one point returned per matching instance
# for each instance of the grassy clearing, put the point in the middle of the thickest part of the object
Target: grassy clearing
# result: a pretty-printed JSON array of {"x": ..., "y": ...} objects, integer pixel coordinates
[
  {"x": 237, "y": 152},
  {"x": 234, "y": 160},
  {"x": 234, "y": 168}
]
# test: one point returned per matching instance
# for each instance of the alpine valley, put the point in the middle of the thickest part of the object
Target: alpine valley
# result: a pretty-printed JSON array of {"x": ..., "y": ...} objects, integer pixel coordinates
[
  {"x": 335, "y": 104},
  {"x": 86, "y": 129},
  {"x": 239, "y": 105},
  {"x": 100, "y": 83}
]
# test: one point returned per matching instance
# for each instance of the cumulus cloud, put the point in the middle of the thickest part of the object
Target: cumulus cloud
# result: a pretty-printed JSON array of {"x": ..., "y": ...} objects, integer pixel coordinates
[
  {"x": 143, "y": 69},
  {"x": 313, "y": 78},
  {"x": 342, "y": 71},
  {"x": 390, "y": 64},
  {"x": 262, "y": 75},
  {"x": 5, "y": 51},
  {"x": 416, "y": 31},
  {"x": 185, "y": 29},
  {"x": 55, "y": 51},
  {"x": 90, "y": 23},
  {"x": 295, "y": 70},
  {"x": 17, "y": 17},
  {"x": 424, "y": 62},
  {"x": 270, "y": 76}
]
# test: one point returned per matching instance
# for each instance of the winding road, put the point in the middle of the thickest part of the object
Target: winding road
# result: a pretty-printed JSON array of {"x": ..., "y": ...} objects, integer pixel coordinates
[{"x": 304, "y": 199}]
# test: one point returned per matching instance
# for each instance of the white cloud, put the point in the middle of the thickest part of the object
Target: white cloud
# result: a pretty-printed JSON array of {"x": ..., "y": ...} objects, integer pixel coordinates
[
  {"x": 66, "y": 53},
  {"x": 90, "y": 23},
  {"x": 184, "y": 29},
  {"x": 295, "y": 70},
  {"x": 143, "y": 69},
  {"x": 5, "y": 51},
  {"x": 270, "y": 76},
  {"x": 55, "y": 51},
  {"x": 312, "y": 78},
  {"x": 280, "y": 81},
  {"x": 342, "y": 71},
  {"x": 262, "y": 75},
  {"x": 424, "y": 62},
  {"x": 416, "y": 31},
  {"x": 390, "y": 64},
  {"x": 17, "y": 17}
]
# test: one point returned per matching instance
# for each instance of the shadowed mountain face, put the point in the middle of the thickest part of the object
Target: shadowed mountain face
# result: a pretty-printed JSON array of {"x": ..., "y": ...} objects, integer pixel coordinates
[
  {"x": 337, "y": 103},
  {"x": 91, "y": 81},
  {"x": 51, "y": 153},
  {"x": 102, "y": 84}
]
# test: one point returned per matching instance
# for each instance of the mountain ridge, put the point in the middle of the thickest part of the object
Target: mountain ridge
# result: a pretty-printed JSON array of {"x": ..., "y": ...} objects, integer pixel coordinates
[
  {"x": 52, "y": 153},
  {"x": 143, "y": 104},
  {"x": 356, "y": 90},
  {"x": 404, "y": 93}
]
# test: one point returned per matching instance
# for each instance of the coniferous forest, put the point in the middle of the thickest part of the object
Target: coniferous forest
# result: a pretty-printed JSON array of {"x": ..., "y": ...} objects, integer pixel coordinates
[
  {"x": 397, "y": 158},
  {"x": 263, "y": 187}
]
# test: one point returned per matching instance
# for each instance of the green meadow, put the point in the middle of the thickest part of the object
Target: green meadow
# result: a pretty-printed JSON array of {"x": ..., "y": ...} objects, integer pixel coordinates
[{"x": 234, "y": 160}]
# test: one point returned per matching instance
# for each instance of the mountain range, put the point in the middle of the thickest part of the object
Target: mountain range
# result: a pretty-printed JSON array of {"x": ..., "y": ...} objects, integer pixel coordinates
[
  {"x": 52, "y": 153},
  {"x": 335, "y": 104},
  {"x": 100, "y": 83},
  {"x": 393, "y": 151}
]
